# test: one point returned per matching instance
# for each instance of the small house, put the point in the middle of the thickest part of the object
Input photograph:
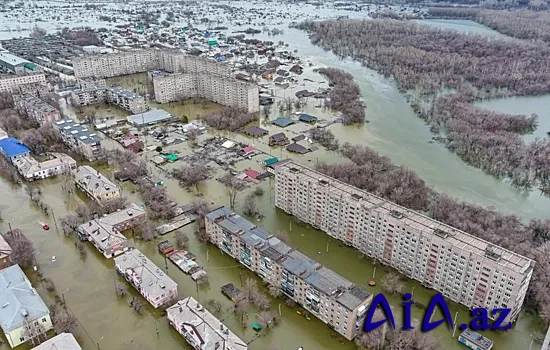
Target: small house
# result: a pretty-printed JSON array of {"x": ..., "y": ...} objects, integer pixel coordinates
[
  {"x": 255, "y": 131},
  {"x": 306, "y": 118},
  {"x": 283, "y": 122},
  {"x": 252, "y": 174},
  {"x": 247, "y": 151},
  {"x": 165, "y": 247},
  {"x": 297, "y": 148},
  {"x": 279, "y": 139}
]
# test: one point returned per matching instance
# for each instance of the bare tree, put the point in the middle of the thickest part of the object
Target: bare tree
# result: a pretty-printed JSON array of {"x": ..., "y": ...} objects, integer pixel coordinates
[
  {"x": 191, "y": 175},
  {"x": 373, "y": 339},
  {"x": 283, "y": 236},
  {"x": 182, "y": 240},
  {"x": 274, "y": 291},
  {"x": 392, "y": 283},
  {"x": 23, "y": 253},
  {"x": 146, "y": 231},
  {"x": 265, "y": 319},
  {"x": 137, "y": 304},
  {"x": 62, "y": 320},
  {"x": 234, "y": 186},
  {"x": 200, "y": 207},
  {"x": 240, "y": 308},
  {"x": 249, "y": 206},
  {"x": 203, "y": 280},
  {"x": 121, "y": 290}
]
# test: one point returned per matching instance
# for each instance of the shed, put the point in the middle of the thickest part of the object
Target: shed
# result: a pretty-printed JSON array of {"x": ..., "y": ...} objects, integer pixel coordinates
[
  {"x": 247, "y": 150},
  {"x": 170, "y": 157},
  {"x": 255, "y": 131},
  {"x": 252, "y": 173},
  {"x": 158, "y": 160},
  {"x": 283, "y": 122},
  {"x": 256, "y": 326},
  {"x": 271, "y": 161},
  {"x": 297, "y": 148},
  {"x": 165, "y": 247}
]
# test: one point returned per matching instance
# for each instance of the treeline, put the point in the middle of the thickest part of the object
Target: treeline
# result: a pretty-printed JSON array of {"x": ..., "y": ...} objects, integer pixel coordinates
[
  {"x": 521, "y": 24},
  {"x": 426, "y": 61},
  {"x": 228, "y": 118},
  {"x": 376, "y": 174},
  {"x": 344, "y": 95}
]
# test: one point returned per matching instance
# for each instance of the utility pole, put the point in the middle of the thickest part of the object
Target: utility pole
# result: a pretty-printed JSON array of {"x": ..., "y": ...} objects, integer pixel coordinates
[
  {"x": 374, "y": 273},
  {"x": 327, "y": 245},
  {"x": 280, "y": 314},
  {"x": 207, "y": 258},
  {"x": 241, "y": 277},
  {"x": 455, "y": 324},
  {"x": 55, "y": 221},
  {"x": 290, "y": 224}
]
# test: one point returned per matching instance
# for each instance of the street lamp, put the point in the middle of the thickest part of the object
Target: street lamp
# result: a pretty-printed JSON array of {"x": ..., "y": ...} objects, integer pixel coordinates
[
  {"x": 99, "y": 342},
  {"x": 531, "y": 344}
]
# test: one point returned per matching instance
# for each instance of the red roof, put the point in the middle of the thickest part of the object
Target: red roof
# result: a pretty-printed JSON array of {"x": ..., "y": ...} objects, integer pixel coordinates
[
  {"x": 248, "y": 149},
  {"x": 252, "y": 173}
]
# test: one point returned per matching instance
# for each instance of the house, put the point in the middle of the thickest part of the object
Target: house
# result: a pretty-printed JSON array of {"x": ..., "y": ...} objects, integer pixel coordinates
[
  {"x": 94, "y": 184},
  {"x": 253, "y": 174},
  {"x": 5, "y": 252},
  {"x": 201, "y": 329},
  {"x": 247, "y": 150},
  {"x": 279, "y": 139},
  {"x": 283, "y": 72},
  {"x": 474, "y": 340},
  {"x": 63, "y": 341},
  {"x": 306, "y": 118},
  {"x": 136, "y": 147},
  {"x": 13, "y": 148},
  {"x": 31, "y": 169},
  {"x": 297, "y": 148},
  {"x": 255, "y": 131},
  {"x": 296, "y": 69},
  {"x": 279, "y": 80},
  {"x": 24, "y": 314},
  {"x": 270, "y": 161},
  {"x": 283, "y": 122},
  {"x": 299, "y": 138},
  {"x": 147, "y": 278}
]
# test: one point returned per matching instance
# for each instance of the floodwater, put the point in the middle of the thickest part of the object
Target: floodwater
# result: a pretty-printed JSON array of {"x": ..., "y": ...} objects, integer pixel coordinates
[
  {"x": 464, "y": 26},
  {"x": 394, "y": 130}
]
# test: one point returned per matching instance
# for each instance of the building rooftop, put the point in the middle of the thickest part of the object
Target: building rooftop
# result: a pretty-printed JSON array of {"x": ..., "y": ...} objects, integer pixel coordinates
[
  {"x": 93, "y": 181},
  {"x": 148, "y": 276},
  {"x": 476, "y": 338},
  {"x": 255, "y": 131},
  {"x": 210, "y": 333},
  {"x": 104, "y": 235},
  {"x": 283, "y": 122},
  {"x": 150, "y": 117},
  {"x": 19, "y": 301},
  {"x": 5, "y": 249},
  {"x": 422, "y": 223},
  {"x": 297, "y": 148},
  {"x": 13, "y": 147},
  {"x": 63, "y": 341},
  {"x": 131, "y": 211},
  {"x": 28, "y": 165},
  {"x": 124, "y": 93},
  {"x": 77, "y": 131},
  {"x": 12, "y": 59},
  {"x": 321, "y": 278}
]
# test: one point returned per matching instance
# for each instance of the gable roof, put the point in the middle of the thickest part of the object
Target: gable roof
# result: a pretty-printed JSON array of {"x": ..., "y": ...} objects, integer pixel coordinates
[
  {"x": 63, "y": 341},
  {"x": 17, "y": 299},
  {"x": 93, "y": 180},
  {"x": 283, "y": 122}
]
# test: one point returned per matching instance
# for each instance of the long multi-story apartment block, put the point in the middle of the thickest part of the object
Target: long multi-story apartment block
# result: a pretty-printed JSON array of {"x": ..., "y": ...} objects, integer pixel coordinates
[
  {"x": 333, "y": 299},
  {"x": 193, "y": 76},
  {"x": 36, "y": 109},
  {"x": 122, "y": 98},
  {"x": 11, "y": 82},
  {"x": 462, "y": 267},
  {"x": 78, "y": 137}
]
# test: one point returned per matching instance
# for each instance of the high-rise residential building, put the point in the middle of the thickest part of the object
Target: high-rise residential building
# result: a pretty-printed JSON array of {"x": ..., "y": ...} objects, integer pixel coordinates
[
  {"x": 192, "y": 76},
  {"x": 42, "y": 112},
  {"x": 11, "y": 82},
  {"x": 339, "y": 303},
  {"x": 462, "y": 267}
]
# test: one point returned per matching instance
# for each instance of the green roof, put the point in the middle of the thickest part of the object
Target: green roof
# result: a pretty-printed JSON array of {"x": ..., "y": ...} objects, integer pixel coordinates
[
  {"x": 171, "y": 157},
  {"x": 270, "y": 161},
  {"x": 30, "y": 65},
  {"x": 256, "y": 326}
]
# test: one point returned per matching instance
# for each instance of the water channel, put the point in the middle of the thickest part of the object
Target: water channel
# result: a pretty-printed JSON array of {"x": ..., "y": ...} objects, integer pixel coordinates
[{"x": 394, "y": 130}]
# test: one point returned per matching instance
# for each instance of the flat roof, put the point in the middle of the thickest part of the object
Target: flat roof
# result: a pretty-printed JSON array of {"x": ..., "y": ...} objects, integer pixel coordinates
[
  {"x": 476, "y": 338},
  {"x": 13, "y": 147},
  {"x": 415, "y": 220},
  {"x": 149, "y": 117},
  {"x": 12, "y": 59},
  {"x": 77, "y": 131}
]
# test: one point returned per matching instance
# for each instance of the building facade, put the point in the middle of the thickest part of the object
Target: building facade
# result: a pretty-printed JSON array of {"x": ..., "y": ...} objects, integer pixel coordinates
[
  {"x": 193, "y": 76},
  {"x": 122, "y": 98},
  {"x": 94, "y": 184},
  {"x": 31, "y": 169},
  {"x": 333, "y": 299},
  {"x": 24, "y": 314},
  {"x": 36, "y": 109},
  {"x": 201, "y": 329},
  {"x": 11, "y": 83},
  {"x": 147, "y": 278},
  {"x": 5, "y": 253},
  {"x": 463, "y": 268},
  {"x": 79, "y": 138}
]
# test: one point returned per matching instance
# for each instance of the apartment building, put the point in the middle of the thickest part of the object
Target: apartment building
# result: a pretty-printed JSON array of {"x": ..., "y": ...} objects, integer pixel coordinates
[
  {"x": 147, "y": 278},
  {"x": 31, "y": 169},
  {"x": 333, "y": 299},
  {"x": 462, "y": 267},
  {"x": 78, "y": 137},
  {"x": 36, "y": 109},
  {"x": 34, "y": 89},
  {"x": 201, "y": 329},
  {"x": 11, "y": 82},
  {"x": 86, "y": 83},
  {"x": 193, "y": 76},
  {"x": 122, "y": 98},
  {"x": 94, "y": 184}
]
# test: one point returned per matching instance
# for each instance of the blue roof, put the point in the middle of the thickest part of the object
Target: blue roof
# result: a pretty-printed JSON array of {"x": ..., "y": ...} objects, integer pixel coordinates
[
  {"x": 307, "y": 118},
  {"x": 13, "y": 147},
  {"x": 283, "y": 122}
]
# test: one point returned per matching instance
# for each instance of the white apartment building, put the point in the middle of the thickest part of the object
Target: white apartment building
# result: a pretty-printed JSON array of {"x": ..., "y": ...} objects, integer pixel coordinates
[
  {"x": 11, "y": 83},
  {"x": 31, "y": 169},
  {"x": 86, "y": 83},
  {"x": 339, "y": 303},
  {"x": 195, "y": 76},
  {"x": 460, "y": 266},
  {"x": 122, "y": 98},
  {"x": 79, "y": 138},
  {"x": 216, "y": 88},
  {"x": 36, "y": 109}
]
